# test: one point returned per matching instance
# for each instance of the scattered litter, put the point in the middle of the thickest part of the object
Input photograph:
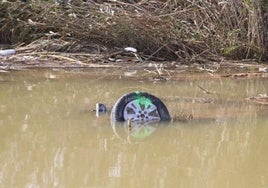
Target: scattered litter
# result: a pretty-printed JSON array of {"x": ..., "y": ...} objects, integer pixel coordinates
[
  {"x": 111, "y": 59},
  {"x": 130, "y": 49},
  {"x": 260, "y": 99},
  {"x": 205, "y": 90},
  {"x": 100, "y": 109},
  {"x": 182, "y": 117},
  {"x": 129, "y": 74},
  {"x": 119, "y": 60},
  {"x": 7, "y": 52},
  {"x": 3, "y": 71},
  {"x": 50, "y": 76},
  {"x": 241, "y": 75},
  {"x": 263, "y": 69}
]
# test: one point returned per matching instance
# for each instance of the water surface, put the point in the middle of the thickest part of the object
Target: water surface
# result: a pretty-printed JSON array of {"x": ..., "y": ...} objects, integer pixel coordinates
[{"x": 49, "y": 136}]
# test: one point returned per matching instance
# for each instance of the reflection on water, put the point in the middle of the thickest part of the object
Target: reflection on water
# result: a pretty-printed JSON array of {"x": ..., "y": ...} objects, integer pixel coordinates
[
  {"x": 138, "y": 131},
  {"x": 50, "y": 138}
]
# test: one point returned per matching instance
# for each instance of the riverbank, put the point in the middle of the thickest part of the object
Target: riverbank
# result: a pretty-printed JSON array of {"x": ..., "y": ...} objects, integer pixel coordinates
[
  {"x": 96, "y": 31},
  {"x": 129, "y": 66}
]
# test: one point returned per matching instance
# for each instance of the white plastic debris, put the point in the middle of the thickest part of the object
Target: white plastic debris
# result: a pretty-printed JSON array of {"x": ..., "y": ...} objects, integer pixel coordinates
[
  {"x": 7, "y": 52},
  {"x": 111, "y": 59},
  {"x": 263, "y": 69},
  {"x": 130, "y": 49},
  {"x": 130, "y": 73},
  {"x": 119, "y": 60}
]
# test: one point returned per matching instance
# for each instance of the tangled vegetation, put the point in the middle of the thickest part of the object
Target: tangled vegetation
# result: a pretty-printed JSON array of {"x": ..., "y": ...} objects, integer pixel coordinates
[{"x": 183, "y": 30}]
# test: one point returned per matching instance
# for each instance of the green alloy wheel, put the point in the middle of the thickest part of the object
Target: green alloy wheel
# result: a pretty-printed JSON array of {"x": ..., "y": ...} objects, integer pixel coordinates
[{"x": 139, "y": 107}]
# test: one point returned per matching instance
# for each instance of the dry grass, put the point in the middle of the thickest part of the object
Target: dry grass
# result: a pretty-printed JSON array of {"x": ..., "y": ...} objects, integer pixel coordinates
[{"x": 188, "y": 31}]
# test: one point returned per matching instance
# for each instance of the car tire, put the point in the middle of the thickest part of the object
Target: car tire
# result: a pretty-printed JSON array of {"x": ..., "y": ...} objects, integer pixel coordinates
[{"x": 139, "y": 107}]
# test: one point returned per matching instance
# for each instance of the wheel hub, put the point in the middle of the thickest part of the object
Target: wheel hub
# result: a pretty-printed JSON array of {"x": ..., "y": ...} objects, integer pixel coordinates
[{"x": 141, "y": 111}]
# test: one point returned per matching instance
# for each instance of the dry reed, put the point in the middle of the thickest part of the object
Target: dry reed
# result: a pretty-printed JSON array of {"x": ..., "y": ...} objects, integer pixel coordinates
[{"x": 188, "y": 31}]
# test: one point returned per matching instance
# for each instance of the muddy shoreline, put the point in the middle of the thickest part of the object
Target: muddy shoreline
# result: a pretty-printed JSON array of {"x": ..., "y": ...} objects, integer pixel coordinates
[
  {"x": 47, "y": 59},
  {"x": 130, "y": 67}
]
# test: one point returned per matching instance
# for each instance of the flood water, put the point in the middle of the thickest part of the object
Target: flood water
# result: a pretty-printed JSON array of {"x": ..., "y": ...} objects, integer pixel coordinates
[{"x": 50, "y": 137}]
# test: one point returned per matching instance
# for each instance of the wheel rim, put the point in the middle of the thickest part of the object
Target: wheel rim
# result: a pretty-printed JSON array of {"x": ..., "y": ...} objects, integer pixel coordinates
[{"x": 141, "y": 110}]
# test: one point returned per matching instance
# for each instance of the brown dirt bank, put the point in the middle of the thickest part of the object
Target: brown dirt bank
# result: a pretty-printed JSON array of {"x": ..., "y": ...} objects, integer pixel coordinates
[{"x": 129, "y": 66}]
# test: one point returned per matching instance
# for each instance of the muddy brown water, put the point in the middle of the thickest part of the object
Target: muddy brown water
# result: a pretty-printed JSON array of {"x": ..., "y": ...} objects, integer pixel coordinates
[{"x": 49, "y": 137}]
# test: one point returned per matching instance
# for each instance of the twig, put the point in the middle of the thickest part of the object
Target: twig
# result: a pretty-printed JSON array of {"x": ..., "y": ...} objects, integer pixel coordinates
[{"x": 205, "y": 91}]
